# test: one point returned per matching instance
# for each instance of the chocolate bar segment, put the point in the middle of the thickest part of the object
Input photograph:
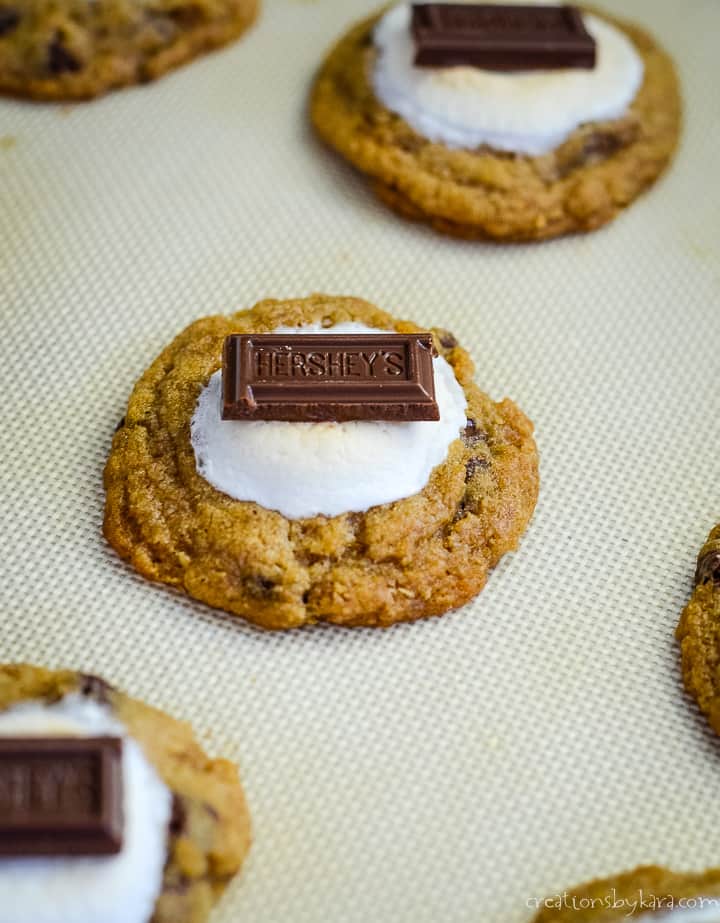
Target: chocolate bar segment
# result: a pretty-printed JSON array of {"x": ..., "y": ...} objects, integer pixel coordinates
[
  {"x": 61, "y": 796},
  {"x": 319, "y": 377},
  {"x": 501, "y": 37}
]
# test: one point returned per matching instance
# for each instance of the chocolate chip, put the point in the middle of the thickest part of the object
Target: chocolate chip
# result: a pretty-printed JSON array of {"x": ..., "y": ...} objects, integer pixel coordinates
[
  {"x": 60, "y": 59},
  {"x": 594, "y": 148},
  {"x": 259, "y": 586},
  {"x": 475, "y": 464},
  {"x": 163, "y": 28},
  {"x": 411, "y": 144},
  {"x": 447, "y": 340},
  {"x": 95, "y": 688},
  {"x": 461, "y": 512},
  {"x": 181, "y": 886},
  {"x": 472, "y": 435},
  {"x": 187, "y": 16},
  {"x": 9, "y": 19},
  {"x": 599, "y": 145},
  {"x": 120, "y": 425},
  {"x": 708, "y": 569},
  {"x": 178, "y": 818},
  {"x": 211, "y": 811}
]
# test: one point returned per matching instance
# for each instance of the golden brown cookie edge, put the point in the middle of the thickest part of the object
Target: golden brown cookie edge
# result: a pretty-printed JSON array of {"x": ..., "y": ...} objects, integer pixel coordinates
[{"x": 698, "y": 634}]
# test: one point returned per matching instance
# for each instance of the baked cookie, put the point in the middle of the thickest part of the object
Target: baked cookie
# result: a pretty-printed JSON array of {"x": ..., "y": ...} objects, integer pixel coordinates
[
  {"x": 186, "y": 823},
  {"x": 77, "y": 49},
  {"x": 650, "y": 894},
  {"x": 288, "y": 524},
  {"x": 699, "y": 633},
  {"x": 510, "y": 156}
]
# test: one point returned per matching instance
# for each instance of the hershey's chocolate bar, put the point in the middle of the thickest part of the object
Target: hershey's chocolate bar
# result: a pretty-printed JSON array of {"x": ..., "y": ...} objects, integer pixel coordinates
[
  {"x": 61, "y": 796},
  {"x": 501, "y": 37},
  {"x": 316, "y": 377}
]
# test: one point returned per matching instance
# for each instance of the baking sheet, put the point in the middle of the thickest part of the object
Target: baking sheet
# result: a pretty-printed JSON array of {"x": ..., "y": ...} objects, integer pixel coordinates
[{"x": 454, "y": 770}]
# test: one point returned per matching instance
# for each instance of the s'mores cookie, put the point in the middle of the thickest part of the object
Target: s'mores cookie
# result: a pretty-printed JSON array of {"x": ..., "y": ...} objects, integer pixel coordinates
[
  {"x": 506, "y": 122},
  {"x": 318, "y": 460}
]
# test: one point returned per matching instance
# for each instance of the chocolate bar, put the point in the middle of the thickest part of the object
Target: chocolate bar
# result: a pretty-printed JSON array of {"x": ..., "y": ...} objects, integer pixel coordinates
[
  {"x": 61, "y": 796},
  {"x": 318, "y": 377},
  {"x": 501, "y": 37}
]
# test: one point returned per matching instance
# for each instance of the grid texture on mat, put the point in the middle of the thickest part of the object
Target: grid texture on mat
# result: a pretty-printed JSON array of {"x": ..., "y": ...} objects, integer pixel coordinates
[{"x": 451, "y": 770}]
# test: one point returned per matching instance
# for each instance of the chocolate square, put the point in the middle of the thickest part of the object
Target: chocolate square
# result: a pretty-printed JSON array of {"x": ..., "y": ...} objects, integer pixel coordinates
[{"x": 501, "y": 37}]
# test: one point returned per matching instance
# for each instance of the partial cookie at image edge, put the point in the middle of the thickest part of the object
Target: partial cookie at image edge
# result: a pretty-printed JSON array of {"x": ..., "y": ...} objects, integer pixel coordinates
[
  {"x": 698, "y": 633},
  {"x": 77, "y": 57},
  {"x": 210, "y": 830}
]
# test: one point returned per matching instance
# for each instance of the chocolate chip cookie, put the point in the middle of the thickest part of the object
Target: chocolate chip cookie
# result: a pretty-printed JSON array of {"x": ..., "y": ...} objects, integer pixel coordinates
[
  {"x": 208, "y": 835},
  {"x": 643, "y": 893},
  {"x": 399, "y": 561},
  {"x": 699, "y": 633},
  {"x": 79, "y": 49},
  {"x": 486, "y": 193}
]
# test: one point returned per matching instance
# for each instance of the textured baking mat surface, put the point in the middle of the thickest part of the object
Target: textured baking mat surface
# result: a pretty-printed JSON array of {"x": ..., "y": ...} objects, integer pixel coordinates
[{"x": 453, "y": 770}]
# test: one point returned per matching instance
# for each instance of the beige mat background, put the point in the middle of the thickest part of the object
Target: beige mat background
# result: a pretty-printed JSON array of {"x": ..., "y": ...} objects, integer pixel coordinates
[{"x": 448, "y": 771}]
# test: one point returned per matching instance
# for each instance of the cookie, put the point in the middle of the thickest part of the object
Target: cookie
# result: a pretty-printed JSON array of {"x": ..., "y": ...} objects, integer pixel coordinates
[
  {"x": 650, "y": 894},
  {"x": 326, "y": 542},
  {"x": 79, "y": 49},
  {"x": 470, "y": 152},
  {"x": 187, "y": 827},
  {"x": 698, "y": 633}
]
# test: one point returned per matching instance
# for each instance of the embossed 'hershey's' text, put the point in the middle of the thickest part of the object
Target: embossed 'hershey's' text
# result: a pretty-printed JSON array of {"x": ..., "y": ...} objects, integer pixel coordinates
[
  {"x": 329, "y": 377},
  {"x": 288, "y": 363},
  {"x": 60, "y": 796},
  {"x": 34, "y": 787}
]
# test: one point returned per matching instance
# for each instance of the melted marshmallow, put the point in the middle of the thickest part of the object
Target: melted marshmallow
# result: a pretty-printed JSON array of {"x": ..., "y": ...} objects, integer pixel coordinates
[
  {"x": 107, "y": 889},
  {"x": 523, "y": 112},
  {"x": 312, "y": 469}
]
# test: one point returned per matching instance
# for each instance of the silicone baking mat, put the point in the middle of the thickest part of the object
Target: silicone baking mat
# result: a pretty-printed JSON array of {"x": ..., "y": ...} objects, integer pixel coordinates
[{"x": 454, "y": 770}]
